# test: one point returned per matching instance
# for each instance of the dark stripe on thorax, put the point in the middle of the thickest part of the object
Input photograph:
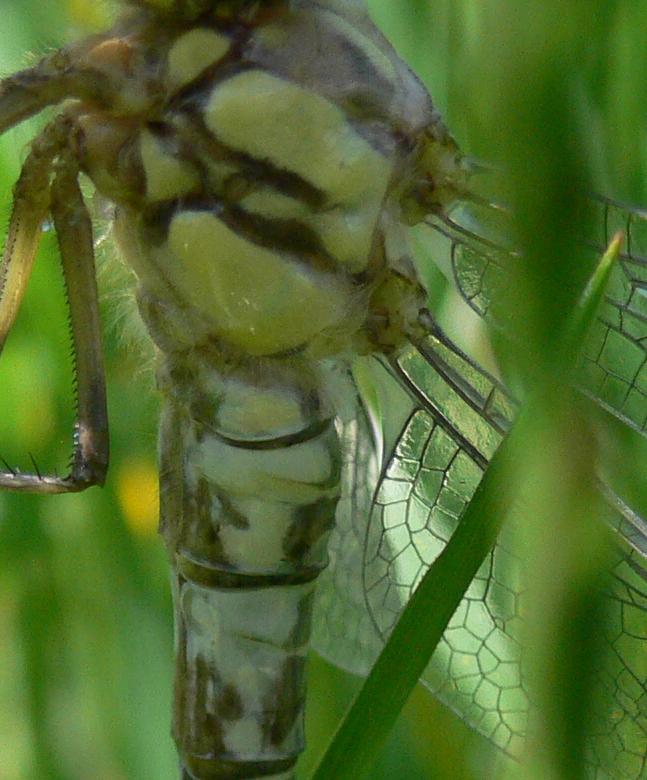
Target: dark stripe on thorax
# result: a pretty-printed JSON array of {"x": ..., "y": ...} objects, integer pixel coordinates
[
  {"x": 366, "y": 110},
  {"x": 283, "y": 236},
  {"x": 279, "y": 235},
  {"x": 190, "y": 127}
]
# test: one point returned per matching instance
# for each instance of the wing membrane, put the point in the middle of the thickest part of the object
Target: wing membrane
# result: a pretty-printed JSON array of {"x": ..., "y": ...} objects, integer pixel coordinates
[
  {"x": 615, "y": 357},
  {"x": 458, "y": 416},
  {"x": 614, "y": 362},
  {"x": 461, "y": 417},
  {"x": 344, "y": 632},
  {"x": 617, "y": 748}
]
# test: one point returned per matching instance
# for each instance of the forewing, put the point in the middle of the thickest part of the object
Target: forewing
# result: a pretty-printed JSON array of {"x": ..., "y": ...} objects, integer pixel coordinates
[
  {"x": 615, "y": 356},
  {"x": 480, "y": 260},
  {"x": 617, "y": 748},
  {"x": 614, "y": 360}
]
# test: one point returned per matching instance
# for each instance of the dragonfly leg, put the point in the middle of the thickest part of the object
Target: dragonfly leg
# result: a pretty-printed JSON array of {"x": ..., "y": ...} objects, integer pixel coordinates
[
  {"x": 65, "y": 73},
  {"x": 33, "y": 197},
  {"x": 30, "y": 207},
  {"x": 74, "y": 230},
  {"x": 27, "y": 92}
]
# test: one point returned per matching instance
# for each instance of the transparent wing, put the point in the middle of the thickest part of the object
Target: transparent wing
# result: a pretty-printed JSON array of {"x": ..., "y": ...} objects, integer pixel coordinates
[
  {"x": 617, "y": 748},
  {"x": 395, "y": 523},
  {"x": 343, "y": 631},
  {"x": 461, "y": 417},
  {"x": 614, "y": 369},
  {"x": 615, "y": 358}
]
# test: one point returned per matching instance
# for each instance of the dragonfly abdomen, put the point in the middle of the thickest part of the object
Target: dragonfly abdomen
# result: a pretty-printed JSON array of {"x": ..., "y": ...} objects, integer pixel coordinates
[{"x": 258, "y": 461}]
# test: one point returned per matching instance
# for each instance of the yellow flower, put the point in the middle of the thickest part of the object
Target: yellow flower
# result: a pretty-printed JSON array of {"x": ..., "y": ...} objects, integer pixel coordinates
[{"x": 138, "y": 494}]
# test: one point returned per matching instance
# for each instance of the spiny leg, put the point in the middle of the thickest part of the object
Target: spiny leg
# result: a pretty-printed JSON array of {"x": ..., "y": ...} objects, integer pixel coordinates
[
  {"x": 74, "y": 230},
  {"x": 30, "y": 207}
]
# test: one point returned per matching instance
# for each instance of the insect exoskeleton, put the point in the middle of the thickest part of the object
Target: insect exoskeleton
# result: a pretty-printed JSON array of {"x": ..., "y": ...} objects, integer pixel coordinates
[{"x": 200, "y": 147}]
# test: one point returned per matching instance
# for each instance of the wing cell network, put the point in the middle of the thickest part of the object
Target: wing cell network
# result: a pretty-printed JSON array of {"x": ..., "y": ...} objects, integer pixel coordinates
[
  {"x": 614, "y": 359},
  {"x": 343, "y": 631},
  {"x": 477, "y": 669},
  {"x": 395, "y": 523},
  {"x": 461, "y": 417}
]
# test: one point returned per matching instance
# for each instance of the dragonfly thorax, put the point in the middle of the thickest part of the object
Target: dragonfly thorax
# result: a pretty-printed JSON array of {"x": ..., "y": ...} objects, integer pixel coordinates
[{"x": 258, "y": 194}]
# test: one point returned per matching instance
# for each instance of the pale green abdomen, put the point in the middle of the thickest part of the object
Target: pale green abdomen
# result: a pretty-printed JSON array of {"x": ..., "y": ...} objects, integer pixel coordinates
[{"x": 253, "y": 464}]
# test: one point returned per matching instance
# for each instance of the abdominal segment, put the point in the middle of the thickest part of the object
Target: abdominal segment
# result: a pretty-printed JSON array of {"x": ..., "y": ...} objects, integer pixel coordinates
[
  {"x": 240, "y": 677},
  {"x": 257, "y": 463}
]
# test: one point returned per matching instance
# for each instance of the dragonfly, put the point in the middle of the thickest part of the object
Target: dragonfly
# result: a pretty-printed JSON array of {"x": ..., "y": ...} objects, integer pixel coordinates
[{"x": 197, "y": 375}]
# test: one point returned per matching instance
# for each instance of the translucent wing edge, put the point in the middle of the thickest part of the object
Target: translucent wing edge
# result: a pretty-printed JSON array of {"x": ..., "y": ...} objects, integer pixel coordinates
[{"x": 343, "y": 632}]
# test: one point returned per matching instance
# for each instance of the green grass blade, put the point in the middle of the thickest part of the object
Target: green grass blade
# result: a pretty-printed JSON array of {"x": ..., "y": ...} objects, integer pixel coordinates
[{"x": 591, "y": 299}]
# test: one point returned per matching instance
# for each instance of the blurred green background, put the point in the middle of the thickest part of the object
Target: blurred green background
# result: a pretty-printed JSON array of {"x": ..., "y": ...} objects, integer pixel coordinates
[{"x": 554, "y": 91}]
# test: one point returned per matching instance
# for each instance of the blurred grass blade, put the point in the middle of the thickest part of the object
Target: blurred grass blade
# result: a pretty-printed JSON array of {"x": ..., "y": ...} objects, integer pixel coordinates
[
  {"x": 566, "y": 553},
  {"x": 592, "y": 297},
  {"x": 368, "y": 722}
]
